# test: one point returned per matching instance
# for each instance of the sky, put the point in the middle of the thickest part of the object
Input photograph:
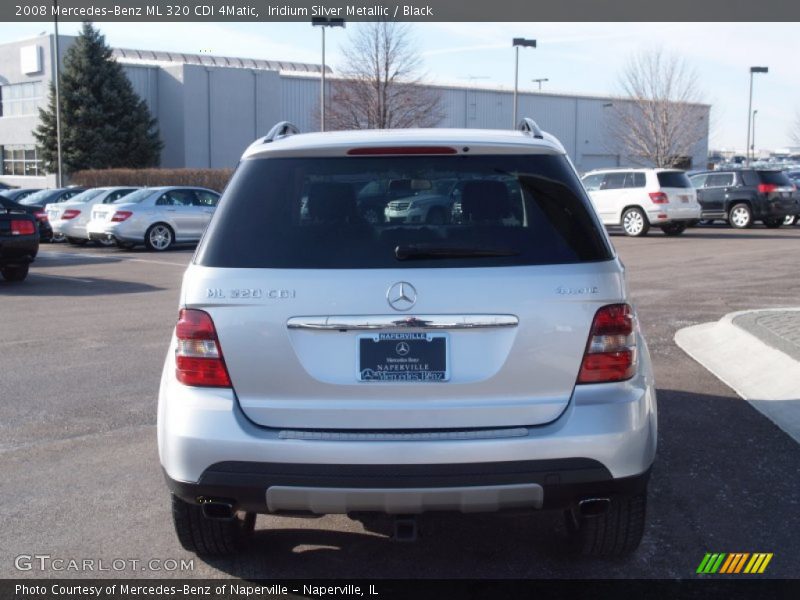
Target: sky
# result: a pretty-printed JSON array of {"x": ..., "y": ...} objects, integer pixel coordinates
[{"x": 585, "y": 58}]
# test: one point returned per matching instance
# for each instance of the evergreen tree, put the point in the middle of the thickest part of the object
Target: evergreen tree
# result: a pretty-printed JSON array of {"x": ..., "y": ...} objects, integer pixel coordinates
[{"x": 104, "y": 124}]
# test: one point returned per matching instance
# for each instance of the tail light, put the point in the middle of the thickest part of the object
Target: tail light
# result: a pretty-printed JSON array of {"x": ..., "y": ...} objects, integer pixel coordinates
[
  {"x": 70, "y": 214},
  {"x": 121, "y": 215},
  {"x": 22, "y": 227},
  {"x": 198, "y": 357},
  {"x": 766, "y": 188},
  {"x": 611, "y": 352},
  {"x": 659, "y": 198},
  {"x": 40, "y": 215}
]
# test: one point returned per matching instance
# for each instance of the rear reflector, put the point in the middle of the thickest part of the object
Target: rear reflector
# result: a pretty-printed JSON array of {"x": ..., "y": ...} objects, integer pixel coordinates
[
  {"x": 121, "y": 215},
  {"x": 22, "y": 227},
  {"x": 198, "y": 357},
  {"x": 659, "y": 198},
  {"x": 395, "y": 150},
  {"x": 611, "y": 350},
  {"x": 70, "y": 214},
  {"x": 766, "y": 188}
]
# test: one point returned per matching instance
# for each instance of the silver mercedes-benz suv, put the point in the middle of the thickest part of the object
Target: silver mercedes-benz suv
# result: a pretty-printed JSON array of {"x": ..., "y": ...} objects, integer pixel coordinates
[{"x": 323, "y": 363}]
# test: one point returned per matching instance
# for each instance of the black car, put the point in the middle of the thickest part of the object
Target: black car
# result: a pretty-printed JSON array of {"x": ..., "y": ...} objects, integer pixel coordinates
[
  {"x": 794, "y": 175},
  {"x": 17, "y": 194},
  {"x": 45, "y": 229},
  {"x": 742, "y": 196},
  {"x": 19, "y": 244},
  {"x": 43, "y": 197}
]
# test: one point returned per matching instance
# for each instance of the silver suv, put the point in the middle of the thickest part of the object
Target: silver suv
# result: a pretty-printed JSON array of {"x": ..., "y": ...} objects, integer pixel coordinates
[{"x": 323, "y": 363}]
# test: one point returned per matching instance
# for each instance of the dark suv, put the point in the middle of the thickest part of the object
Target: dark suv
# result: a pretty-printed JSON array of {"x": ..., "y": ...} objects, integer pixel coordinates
[{"x": 743, "y": 196}]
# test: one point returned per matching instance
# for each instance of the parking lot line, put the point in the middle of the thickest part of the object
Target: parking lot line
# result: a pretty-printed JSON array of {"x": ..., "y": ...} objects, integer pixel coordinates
[
  {"x": 62, "y": 277},
  {"x": 76, "y": 256}
]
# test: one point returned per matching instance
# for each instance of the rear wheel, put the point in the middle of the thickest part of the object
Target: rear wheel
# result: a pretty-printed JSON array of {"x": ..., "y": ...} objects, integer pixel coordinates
[
  {"x": 125, "y": 245},
  {"x": 773, "y": 223},
  {"x": 635, "y": 223},
  {"x": 16, "y": 273},
  {"x": 105, "y": 242},
  {"x": 676, "y": 228},
  {"x": 159, "y": 237},
  {"x": 616, "y": 532},
  {"x": 209, "y": 537},
  {"x": 372, "y": 216},
  {"x": 77, "y": 241},
  {"x": 740, "y": 216},
  {"x": 790, "y": 219}
]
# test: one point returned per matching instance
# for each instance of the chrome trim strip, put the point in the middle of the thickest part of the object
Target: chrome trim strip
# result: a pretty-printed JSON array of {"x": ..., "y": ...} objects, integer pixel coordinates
[
  {"x": 371, "y": 322},
  {"x": 403, "y": 436}
]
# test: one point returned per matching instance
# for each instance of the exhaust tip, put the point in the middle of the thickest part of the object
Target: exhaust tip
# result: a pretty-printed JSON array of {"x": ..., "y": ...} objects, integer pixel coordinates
[
  {"x": 216, "y": 509},
  {"x": 593, "y": 507}
]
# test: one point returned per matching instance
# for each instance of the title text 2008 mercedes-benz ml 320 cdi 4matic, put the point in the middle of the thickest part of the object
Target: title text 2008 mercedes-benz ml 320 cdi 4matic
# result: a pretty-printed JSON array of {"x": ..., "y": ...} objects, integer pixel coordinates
[{"x": 323, "y": 363}]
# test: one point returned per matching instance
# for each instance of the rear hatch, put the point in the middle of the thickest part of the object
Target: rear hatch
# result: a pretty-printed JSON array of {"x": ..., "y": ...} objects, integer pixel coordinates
[
  {"x": 779, "y": 189},
  {"x": 681, "y": 195},
  {"x": 328, "y": 322}
]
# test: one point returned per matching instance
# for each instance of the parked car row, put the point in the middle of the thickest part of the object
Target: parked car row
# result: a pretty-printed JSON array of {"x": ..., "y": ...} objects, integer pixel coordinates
[
  {"x": 637, "y": 199},
  {"x": 155, "y": 217}
]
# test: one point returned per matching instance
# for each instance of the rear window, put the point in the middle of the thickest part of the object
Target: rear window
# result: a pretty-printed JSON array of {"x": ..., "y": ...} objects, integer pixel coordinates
[
  {"x": 135, "y": 197},
  {"x": 673, "y": 179},
  {"x": 403, "y": 212},
  {"x": 775, "y": 177}
]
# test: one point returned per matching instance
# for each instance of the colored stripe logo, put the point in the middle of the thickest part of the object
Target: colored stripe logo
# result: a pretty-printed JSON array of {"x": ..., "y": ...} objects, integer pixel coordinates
[{"x": 734, "y": 563}]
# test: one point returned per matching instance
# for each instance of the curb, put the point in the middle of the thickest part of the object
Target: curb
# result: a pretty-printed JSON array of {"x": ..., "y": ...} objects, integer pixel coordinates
[{"x": 763, "y": 376}]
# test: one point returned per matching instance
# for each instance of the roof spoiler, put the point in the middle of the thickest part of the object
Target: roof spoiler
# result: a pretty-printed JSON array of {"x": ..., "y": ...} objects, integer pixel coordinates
[
  {"x": 529, "y": 127},
  {"x": 281, "y": 130}
]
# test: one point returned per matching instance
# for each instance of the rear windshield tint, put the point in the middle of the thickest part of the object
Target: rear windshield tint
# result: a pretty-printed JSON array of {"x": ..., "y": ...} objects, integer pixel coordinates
[
  {"x": 403, "y": 212},
  {"x": 673, "y": 179},
  {"x": 775, "y": 177}
]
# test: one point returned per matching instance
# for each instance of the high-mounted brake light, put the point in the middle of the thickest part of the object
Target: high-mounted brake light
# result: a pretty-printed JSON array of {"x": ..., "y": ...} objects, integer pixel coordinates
[
  {"x": 198, "y": 357},
  {"x": 121, "y": 215},
  {"x": 766, "y": 188},
  {"x": 611, "y": 351},
  {"x": 659, "y": 198},
  {"x": 401, "y": 150},
  {"x": 21, "y": 227},
  {"x": 70, "y": 214}
]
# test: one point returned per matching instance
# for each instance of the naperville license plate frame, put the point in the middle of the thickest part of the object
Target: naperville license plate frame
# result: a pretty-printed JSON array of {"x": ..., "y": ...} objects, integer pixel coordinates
[{"x": 406, "y": 356}]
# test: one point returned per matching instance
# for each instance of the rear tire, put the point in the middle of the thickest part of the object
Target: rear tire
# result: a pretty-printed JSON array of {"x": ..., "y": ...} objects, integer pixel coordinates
[
  {"x": 773, "y": 223},
  {"x": 740, "y": 216},
  {"x": 790, "y": 219},
  {"x": 159, "y": 237},
  {"x": 77, "y": 241},
  {"x": 673, "y": 229},
  {"x": 635, "y": 223},
  {"x": 17, "y": 273},
  {"x": 209, "y": 537},
  {"x": 125, "y": 245},
  {"x": 616, "y": 532}
]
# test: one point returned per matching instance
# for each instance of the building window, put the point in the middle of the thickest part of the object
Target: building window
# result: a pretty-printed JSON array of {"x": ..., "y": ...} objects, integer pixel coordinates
[
  {"x": 21, "y": 160},
  {"x": 21, "y": 99}
]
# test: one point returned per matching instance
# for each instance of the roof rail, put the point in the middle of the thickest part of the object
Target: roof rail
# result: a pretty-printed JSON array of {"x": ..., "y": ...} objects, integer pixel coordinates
[
  {"x": 529, "y": 127},
  {"x": 281, "y": 130}
]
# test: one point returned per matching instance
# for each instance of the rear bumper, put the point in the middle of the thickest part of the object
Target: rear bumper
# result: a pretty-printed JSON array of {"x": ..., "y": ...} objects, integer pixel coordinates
[
  {"x": 669, "y": 213},
  {"x": 18, "y": 250},
  {"x": 122, "y": 232},
  {"x": 405, "y": 489}
]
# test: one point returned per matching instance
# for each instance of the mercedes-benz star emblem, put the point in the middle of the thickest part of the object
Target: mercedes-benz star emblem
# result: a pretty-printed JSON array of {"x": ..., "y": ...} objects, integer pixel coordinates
[
  {"x": 402, "y": 349},
  {"x": 401, "y": 296}
]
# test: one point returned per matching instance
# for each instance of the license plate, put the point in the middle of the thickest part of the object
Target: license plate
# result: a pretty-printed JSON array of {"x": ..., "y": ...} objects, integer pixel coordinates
[
  {"x": 403, "y": 357},
  {"x": 684, "y": 198}
]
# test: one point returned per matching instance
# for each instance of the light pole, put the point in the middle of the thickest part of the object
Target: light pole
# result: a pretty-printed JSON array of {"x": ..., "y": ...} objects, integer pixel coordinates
[
  {"x": 750, "y": 110},
  {"x": 59, "y": 177},
  {"x": 324, "y": 22},
  {"x": 525, "y": 43},
  {"x": 540, "y": 81},
  {"x": 753, "y": 139}
]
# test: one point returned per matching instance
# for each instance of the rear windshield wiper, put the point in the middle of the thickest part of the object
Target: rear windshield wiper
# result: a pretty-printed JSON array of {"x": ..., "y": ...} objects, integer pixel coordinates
[{"x": 416, "y": 251}]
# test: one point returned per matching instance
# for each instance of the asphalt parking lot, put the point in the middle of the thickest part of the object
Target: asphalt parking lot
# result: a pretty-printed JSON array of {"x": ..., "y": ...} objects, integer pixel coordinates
[{"x": 81, "y": 347}]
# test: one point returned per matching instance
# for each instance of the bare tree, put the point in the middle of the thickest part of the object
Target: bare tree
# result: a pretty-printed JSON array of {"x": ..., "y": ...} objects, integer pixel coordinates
[
  {"x": 796, "y": 128},
  {"x": 381, "y": 86},
  {"x": 660, "y": 121}
]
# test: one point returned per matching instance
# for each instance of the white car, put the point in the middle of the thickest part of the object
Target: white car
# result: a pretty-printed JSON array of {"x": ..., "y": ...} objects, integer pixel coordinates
[
  {"x": 637, "y": 199},
  {"x": 69, "y": 219},
  {"x": 323, "y": 363},
  {"x": 156, "y": 217}
]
